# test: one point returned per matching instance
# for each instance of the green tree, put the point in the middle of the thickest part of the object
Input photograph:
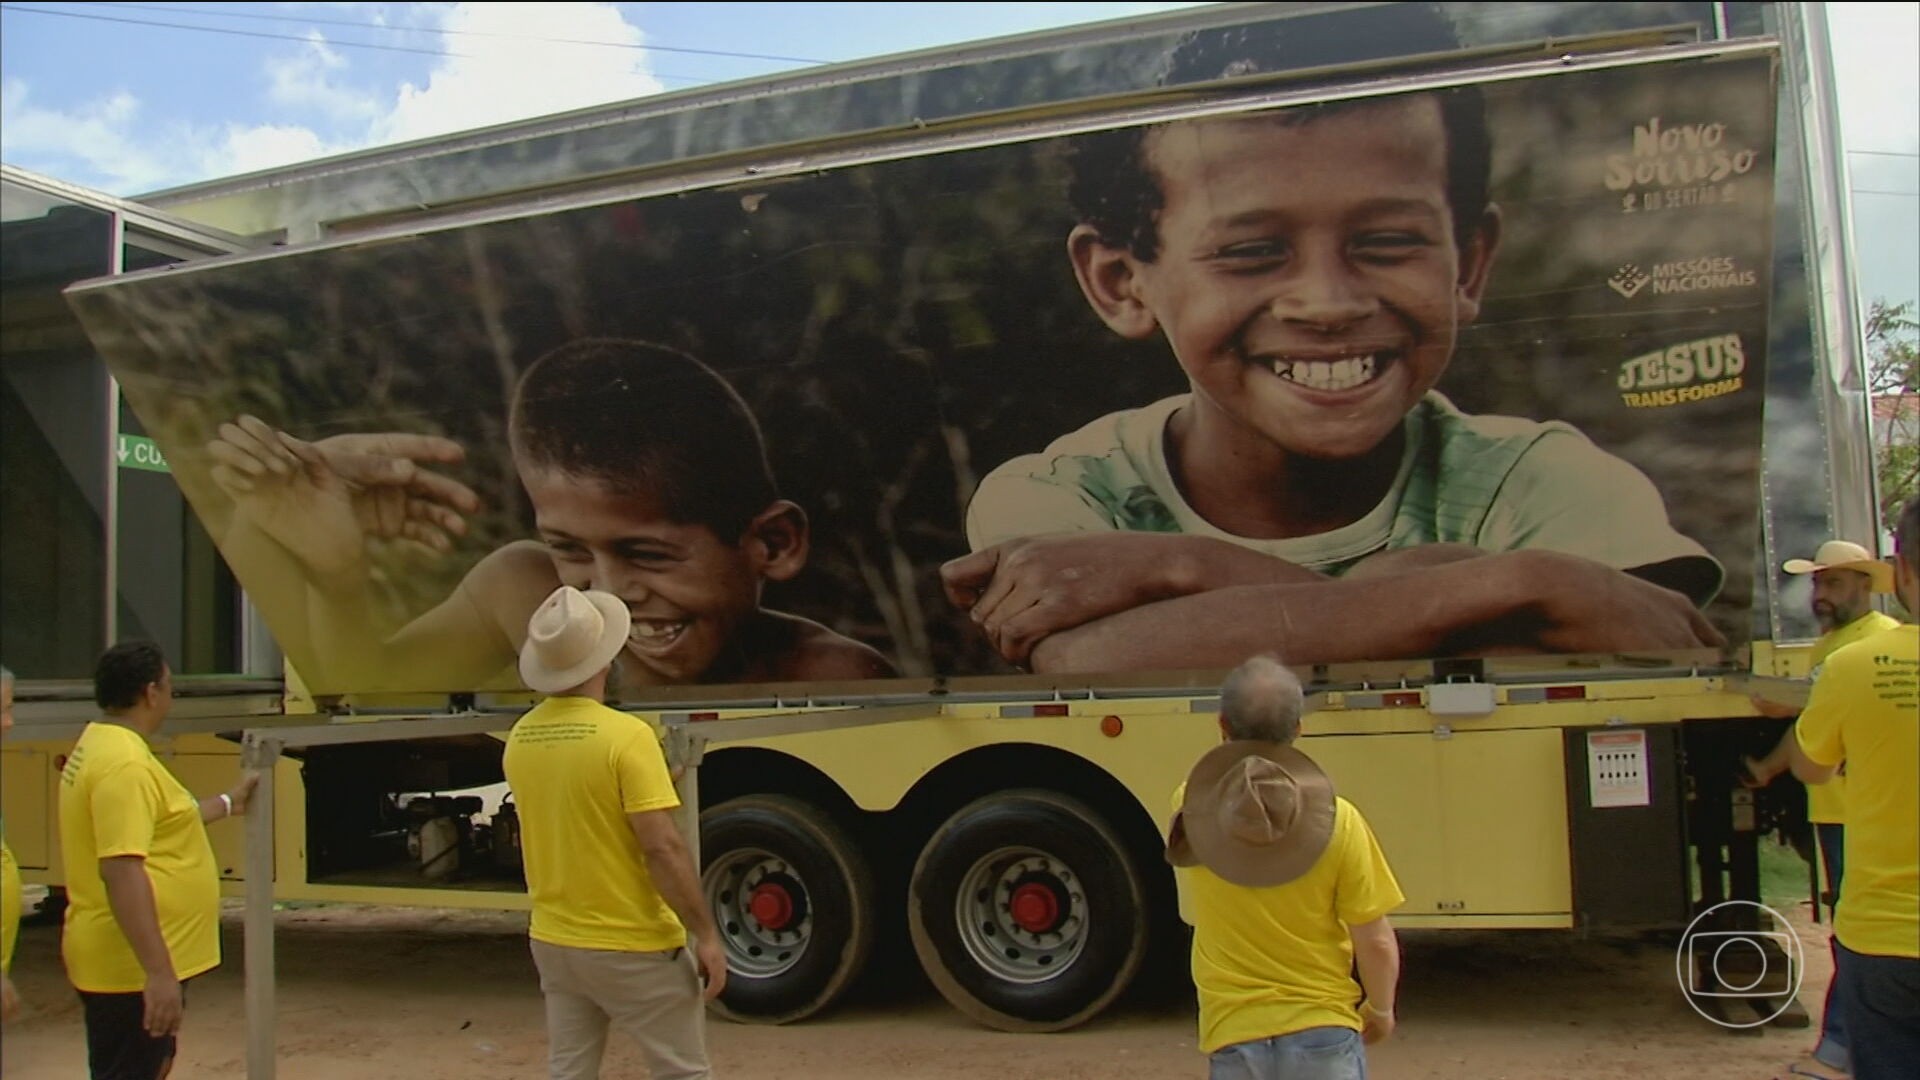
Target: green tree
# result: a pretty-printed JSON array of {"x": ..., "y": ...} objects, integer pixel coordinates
[{"x": 1893, "y": 370}]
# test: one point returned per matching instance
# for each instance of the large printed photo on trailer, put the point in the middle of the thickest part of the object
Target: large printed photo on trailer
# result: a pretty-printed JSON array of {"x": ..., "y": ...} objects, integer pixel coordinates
[{"x": 1467, "y": 372}]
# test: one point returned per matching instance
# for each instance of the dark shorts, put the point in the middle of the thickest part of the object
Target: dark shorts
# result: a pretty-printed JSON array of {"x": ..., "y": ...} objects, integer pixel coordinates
[
  {"x": 1880, "y": 998},
  {"x": 118, "y": 1046}
]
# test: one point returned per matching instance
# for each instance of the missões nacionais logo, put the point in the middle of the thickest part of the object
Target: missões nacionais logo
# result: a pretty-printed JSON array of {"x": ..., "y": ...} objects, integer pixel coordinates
[
  {"x": 1681, "y": 374},
  {"x": 1707, "y": 274},
  {"x": 1629, "y": 280}
]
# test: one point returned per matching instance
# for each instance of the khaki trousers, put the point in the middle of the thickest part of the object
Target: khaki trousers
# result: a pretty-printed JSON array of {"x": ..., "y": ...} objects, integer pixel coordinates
[{"x": 652, "y": 996}]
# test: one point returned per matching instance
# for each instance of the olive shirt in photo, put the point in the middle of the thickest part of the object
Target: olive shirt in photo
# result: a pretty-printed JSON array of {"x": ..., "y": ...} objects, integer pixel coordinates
[{"x": 1499, "y": 483}]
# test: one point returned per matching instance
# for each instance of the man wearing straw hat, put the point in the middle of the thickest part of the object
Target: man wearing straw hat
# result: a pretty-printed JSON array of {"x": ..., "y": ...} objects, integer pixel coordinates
[
  {"x": 614, "y": 889},
  {"x": 1288, "y": 894},
  {"x": 1845, "y": 577}
]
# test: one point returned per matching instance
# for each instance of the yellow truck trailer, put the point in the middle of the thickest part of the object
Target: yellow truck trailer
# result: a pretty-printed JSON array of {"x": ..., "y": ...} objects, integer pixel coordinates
[{"x": 902, "y": 286}]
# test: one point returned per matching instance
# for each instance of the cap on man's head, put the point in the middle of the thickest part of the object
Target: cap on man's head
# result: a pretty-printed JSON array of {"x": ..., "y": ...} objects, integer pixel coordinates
[
  {"x": 572, "y": 637},
  {"x": 1845, "y": 555}
]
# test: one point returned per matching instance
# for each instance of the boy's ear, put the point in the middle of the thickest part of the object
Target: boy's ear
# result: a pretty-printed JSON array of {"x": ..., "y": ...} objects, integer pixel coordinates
[
  {"x": 1110, "y": 280},
  {"x": 777, "y": 541},
  {"x": 1476, "y": 263}
]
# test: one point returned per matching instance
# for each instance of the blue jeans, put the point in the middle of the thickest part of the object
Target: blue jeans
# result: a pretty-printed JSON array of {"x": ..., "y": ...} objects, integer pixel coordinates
[
  {"x": 1880, "y": 997},
  {"x": 1832, "y": 1050},
  {"x": 1322, "y": 1053}
]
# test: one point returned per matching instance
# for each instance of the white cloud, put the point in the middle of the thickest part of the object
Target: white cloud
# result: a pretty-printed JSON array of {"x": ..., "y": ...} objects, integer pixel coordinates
[
  {"x": 96, "y": 140},
  {"x": 106, "y": 144},
  {"x": 499, "y": 74},
  {"x": 1878, "y": 84},
  {"x": 306, "y": 81},
  {"x": 496, "y": 79},
  {"x": 243, "y": 149},
  {"x": 1879, "y": 91}
]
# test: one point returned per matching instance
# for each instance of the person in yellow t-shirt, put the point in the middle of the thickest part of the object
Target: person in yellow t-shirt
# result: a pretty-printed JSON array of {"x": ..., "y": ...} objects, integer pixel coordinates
[
  {"x": 143, "y": 913},
  {"x": 1865, "y": 711},
  {"x": 614, "y": 889},
  {"x": 9, "y": 879},
  {"x": 1845, "y": 578},
  {"x": 1288, "y": 894}
]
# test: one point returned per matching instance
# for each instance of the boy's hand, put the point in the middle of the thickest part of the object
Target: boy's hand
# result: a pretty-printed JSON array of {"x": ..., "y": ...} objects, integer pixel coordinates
[
  {"x": 1587, "y": 607},
  {"x": 1019, "y": 591},
  {"x": 321, "y": 500}
]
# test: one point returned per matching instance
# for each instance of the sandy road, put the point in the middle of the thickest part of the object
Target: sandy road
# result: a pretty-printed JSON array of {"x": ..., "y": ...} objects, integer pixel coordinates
[{"x": 395, "y": 994}]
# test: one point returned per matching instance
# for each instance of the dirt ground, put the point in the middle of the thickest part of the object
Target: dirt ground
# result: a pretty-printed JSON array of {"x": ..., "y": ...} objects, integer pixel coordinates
[{"x": 397, "y": 994}]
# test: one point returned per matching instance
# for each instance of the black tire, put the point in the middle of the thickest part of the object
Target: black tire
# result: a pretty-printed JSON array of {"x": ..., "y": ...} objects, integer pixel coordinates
[
  {"x": 992, "y": 880},
  {"x": 780, "y": 849}
]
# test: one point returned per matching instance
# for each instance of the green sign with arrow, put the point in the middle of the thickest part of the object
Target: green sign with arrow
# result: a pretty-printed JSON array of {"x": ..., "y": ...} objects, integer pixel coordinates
[{"x": 138, "y": 452}]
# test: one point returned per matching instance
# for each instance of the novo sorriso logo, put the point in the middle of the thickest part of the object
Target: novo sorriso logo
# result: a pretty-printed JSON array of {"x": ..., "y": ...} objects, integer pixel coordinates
[
  {"x": 1680, "y": 374},
  {"x": 1727, "y": 964},
  {"x": 1707, "y": 274},
  {"x": 1675, "y": 166}
]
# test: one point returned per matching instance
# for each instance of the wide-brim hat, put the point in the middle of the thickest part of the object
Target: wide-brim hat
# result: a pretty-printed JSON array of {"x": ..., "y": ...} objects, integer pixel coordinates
[
  {"x": 1844, "y": 555},
  {"x": 1256, "y": 813},
  {"x": 571, "y": 637}
]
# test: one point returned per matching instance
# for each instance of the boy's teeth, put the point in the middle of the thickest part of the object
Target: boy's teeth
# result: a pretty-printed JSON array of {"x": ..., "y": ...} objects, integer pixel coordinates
[
  {"x": 1343, "y": 374},
  {"x": 648, "y": 629}
]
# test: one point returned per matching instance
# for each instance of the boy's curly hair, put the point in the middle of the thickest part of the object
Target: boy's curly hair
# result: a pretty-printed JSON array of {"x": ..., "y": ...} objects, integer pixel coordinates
[
  {"x": 1113, "y": 188},
  {"x": 647, "y": 420}
]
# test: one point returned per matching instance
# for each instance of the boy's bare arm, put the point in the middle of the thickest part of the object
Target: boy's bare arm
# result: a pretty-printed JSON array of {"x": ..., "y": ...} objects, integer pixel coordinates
[
  {"x": 320, "y": 502},
  {"x": 461, "y": 643},
  {"x": 1523, "y": 600},
  {"x": 1022, "y": 590}
]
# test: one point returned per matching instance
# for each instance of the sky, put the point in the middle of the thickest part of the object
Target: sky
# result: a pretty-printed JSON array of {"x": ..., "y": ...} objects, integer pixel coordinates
[{"x": 135, "y": 97}]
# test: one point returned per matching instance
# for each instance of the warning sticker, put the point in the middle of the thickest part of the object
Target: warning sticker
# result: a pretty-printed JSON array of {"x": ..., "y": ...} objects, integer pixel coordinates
[{"x": 1617, "y": 772}]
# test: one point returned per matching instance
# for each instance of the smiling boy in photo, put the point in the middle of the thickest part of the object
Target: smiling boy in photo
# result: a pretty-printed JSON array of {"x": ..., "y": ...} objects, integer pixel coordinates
[
  {"x": 1312, "y": 271},
  {"x": 648, "y": 480}
]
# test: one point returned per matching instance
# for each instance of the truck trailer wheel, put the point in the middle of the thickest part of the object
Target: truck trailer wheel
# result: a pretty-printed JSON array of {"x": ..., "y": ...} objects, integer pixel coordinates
[
  {"x": 793, "y": 899},
  {"x": 1027, "y": 913}
]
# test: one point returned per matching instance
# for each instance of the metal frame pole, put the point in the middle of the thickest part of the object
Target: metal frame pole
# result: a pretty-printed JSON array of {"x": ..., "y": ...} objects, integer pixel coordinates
[
  {"x": 263, "y": 754},
  {"x": 685, "y": 750}
]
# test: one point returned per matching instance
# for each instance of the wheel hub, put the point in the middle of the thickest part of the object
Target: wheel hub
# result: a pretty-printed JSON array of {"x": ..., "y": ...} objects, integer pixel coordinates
[
  {"x": 763, "y": 910},
  {"x": 771, "y": 906},
  {"x": 1022, "y": 914},
  {"x": 1035, "y": 907}
]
